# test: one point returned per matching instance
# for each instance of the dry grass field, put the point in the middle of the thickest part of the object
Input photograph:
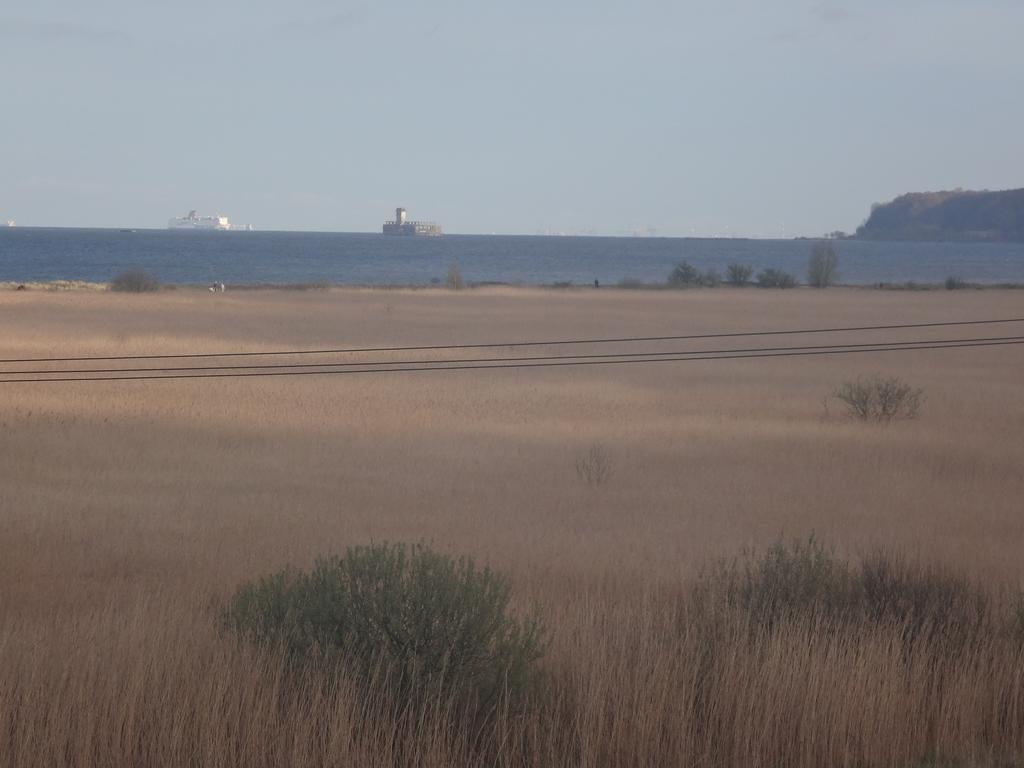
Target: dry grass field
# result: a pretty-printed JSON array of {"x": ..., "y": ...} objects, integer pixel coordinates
[{"x": 129, "y": 511}]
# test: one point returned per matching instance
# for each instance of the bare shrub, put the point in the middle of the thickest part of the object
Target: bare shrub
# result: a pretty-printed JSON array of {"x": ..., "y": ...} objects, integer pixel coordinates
[
  {"x": 684, "y": 274},
  {"x": 787, "y": 581},
  {"x": 135, "y": 281},
  {"x": 925, "y": 600},
  {"x": 805, "y": 582},
  {"x": 775, "y": 278},
  {"x": 738, "y": 274},
  {"x": 823, "y": 265},
  {"x": 879, "y": 398},
  {"x": 955, "y": 283},
  {"x": 711, "y": 278},
  {"x": 594, "y": 467},
  {"x": 455, "y": 281}
]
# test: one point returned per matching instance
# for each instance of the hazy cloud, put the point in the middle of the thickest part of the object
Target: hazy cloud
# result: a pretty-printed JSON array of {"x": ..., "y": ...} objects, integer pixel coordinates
[
  {"x": 809, "y": 26},
  {"x": 350, "y": 18},
  {"x": 830, "y": 13},
  {"x": 790, "y": 35},
  {"x": 339, "y": 20},
  {"x": 58, "y": 31}
]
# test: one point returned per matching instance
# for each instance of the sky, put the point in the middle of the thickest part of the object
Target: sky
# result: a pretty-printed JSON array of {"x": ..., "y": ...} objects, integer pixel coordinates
[{"x": 668, "y": 117}]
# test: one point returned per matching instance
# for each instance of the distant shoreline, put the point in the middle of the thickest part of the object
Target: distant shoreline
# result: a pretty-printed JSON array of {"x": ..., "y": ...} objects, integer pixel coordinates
[
  {"x": 854, "y": 237},
  {"x": 82, "y": 286}
]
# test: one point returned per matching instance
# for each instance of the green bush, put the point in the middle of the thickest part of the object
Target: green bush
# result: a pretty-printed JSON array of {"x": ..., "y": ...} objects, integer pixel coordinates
[
  {"x": 135, "y": 281},
  {"x": 684, "y": 274},
  {"x": 430, "y": 624},
  {"x": 775, "y": 278}
]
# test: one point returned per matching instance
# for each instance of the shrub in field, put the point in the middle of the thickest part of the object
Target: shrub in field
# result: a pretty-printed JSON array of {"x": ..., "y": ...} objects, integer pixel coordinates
[
  {"x": 684, "y": 274},
  {"x": 804, "y": 581},
  {"x": 922, "y": 600},
  {"x": 429, "y": 624},
  {"x": 879, "y": 398},
  {"x": 594, "y": 467},
  {"x": 787, "y": 581},
  {"x": 738, "y": 274},
  {"x": 775, "y": 278},
  {"x": 1018, "y": 617},
  {"x": 823, "y": 265},
  {"x": 135, "y": 281}
]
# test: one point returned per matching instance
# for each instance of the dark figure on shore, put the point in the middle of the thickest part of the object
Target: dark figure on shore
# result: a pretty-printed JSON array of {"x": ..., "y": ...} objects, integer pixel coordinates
[
  {"x": 20, "y": 288},
  {"x": 597, "y": 283}
]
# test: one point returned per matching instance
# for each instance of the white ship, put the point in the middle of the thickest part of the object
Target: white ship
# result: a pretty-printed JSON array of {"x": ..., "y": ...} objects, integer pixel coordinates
[
  {"x": 12, "y": 223},
  {"x": 195, "y": 221}
]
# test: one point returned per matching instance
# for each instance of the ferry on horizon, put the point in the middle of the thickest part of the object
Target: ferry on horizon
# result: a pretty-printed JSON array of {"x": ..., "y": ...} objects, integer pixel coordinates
[{"x": 215, "y": 223}]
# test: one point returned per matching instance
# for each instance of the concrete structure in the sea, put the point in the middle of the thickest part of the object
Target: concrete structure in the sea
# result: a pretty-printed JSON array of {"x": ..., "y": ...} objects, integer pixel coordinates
[{"x": 403, "y": 226}]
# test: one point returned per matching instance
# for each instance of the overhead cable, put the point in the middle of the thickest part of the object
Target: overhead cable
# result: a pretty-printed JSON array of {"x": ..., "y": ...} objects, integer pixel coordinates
[
  {"x": 693, "y": 357},
  {"x": 559, "y": 342}
]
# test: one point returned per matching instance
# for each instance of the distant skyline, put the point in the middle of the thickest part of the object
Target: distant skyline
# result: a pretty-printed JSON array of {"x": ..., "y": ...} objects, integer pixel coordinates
[{"x": 668, "y": 117}]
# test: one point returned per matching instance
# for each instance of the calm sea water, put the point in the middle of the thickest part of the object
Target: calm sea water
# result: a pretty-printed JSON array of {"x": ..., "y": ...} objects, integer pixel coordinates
[{"x": 97, "y": 255}]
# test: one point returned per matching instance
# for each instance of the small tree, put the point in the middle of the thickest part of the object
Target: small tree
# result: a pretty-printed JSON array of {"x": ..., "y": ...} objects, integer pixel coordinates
[
  {"x": 822, "y": 265},
  {"x": 455, "y": 280},
  {"x": 684, "y": 274},
  {"x": 135, "y": 281},
  {"x": 738, "y": 274}
]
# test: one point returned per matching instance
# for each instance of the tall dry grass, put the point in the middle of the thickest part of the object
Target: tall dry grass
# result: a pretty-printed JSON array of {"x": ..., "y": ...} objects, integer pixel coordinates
[
  {"x": 633, "y": 680},
  {"x": 129, "y": 513}
]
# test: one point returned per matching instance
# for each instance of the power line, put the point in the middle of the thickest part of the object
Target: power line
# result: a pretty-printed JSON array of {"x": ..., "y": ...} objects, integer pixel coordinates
[
  {"x": 549, "y": 364},
  {"x": 472, "y": 360},
  {"x": 423, "y": 348}
]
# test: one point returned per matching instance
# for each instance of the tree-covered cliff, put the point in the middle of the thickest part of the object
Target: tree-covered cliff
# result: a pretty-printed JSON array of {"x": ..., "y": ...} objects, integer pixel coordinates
[{"x": 955, "y": 215}]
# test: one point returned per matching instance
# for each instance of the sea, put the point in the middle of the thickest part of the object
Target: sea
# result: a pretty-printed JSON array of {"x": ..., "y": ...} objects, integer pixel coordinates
[{"x": 32, "y": 254}]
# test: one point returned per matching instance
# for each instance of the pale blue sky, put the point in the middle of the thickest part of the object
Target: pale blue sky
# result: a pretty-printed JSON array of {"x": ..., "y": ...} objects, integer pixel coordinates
[{"x": 725, "y": 117}]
